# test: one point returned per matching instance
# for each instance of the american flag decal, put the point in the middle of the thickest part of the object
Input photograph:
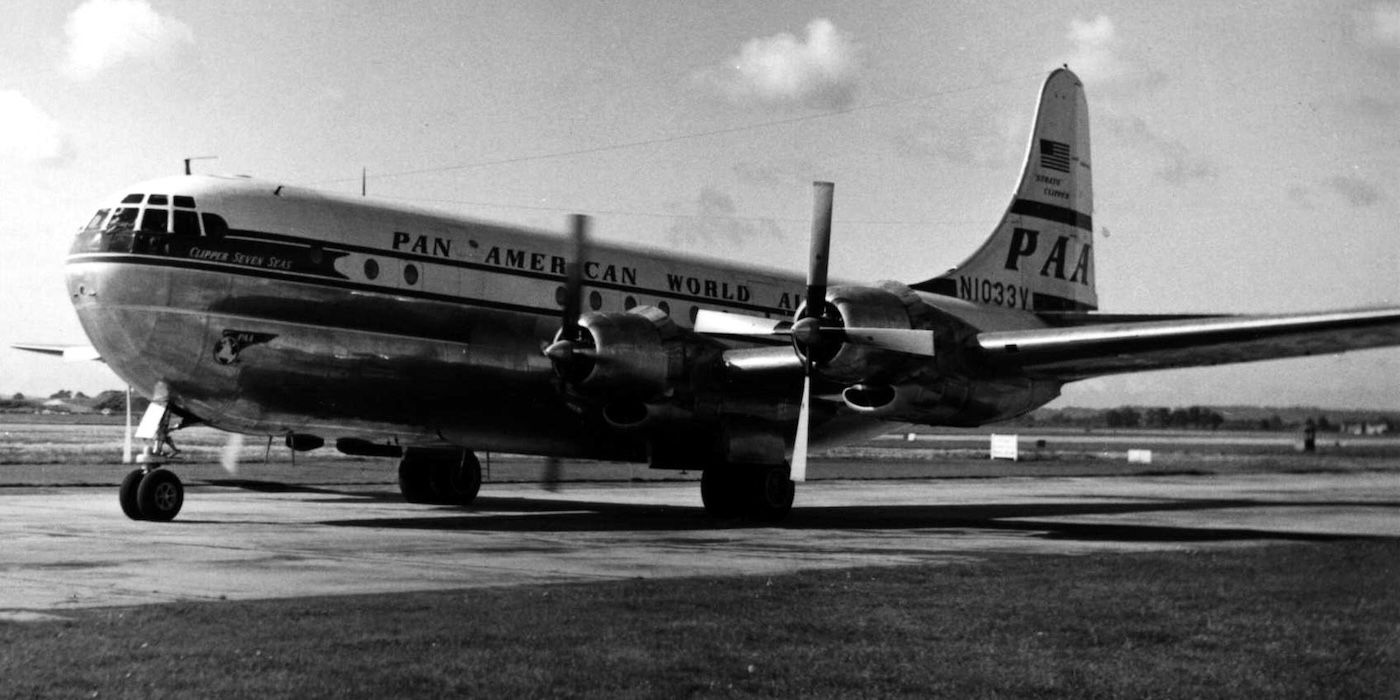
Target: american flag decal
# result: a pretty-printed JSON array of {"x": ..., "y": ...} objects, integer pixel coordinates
[{"x": 1054, "y": 155}]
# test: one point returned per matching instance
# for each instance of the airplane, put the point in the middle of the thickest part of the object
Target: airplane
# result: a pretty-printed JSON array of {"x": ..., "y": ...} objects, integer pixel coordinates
[{"x": 269, "y": 309}]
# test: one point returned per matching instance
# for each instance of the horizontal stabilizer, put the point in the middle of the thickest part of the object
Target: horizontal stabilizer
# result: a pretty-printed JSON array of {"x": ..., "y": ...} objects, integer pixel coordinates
[{"x": 69, "y": 353}]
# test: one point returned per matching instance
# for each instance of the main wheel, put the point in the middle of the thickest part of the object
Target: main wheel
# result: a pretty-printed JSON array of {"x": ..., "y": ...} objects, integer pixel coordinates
[
  {"x": 770, "y": 491},
  {"x": 456, "y": 478},
  {"x": 721, "y": 490},
  {"x": 416, "y": 477},
  {"x": 127, "y": 494},
  {"x": 160, "y": 495}
]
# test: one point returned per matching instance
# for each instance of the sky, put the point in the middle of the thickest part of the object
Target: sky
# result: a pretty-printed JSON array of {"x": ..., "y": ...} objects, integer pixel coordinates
[{"x": 1246, "y": 154}]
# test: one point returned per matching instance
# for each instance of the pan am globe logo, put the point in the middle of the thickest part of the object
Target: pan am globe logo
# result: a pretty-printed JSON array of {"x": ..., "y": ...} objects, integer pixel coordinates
[{"x": 232, "y": 342}]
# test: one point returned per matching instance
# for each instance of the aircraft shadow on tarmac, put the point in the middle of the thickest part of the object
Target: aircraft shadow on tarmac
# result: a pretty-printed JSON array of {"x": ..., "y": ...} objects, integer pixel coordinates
[{"x": 550, "y": 514}]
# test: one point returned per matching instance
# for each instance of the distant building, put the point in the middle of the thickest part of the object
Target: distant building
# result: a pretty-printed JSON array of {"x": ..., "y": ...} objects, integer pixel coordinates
[{"x": 1378, "y": 427}]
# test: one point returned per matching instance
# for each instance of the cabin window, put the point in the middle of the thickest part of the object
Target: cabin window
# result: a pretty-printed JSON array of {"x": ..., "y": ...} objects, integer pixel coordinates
[
  {"x": 595, "y": 301},
  {"x": 184, "y": 200},
  {"x": 159, "y": 199},
  {"x": 371, "y": 268},
  {"x": 156, "y": 220},
  {"x": 410, "y": 274},
  {"x": 97, "y": 219},
  {"x": 694, "y": 312},
  {"x": 561, "y": 297},
  {"x": 186, "y": 223},
  {"x": 133, "y": 199},
  {"x": 214, "y": 225},
  {"x": 665, "y": 308},
  {"x": 629, "y": 303}
]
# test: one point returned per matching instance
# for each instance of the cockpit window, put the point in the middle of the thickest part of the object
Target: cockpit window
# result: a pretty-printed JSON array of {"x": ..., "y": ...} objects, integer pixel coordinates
[
  {"x": 123, "y": 219},
  {"x": 132, "y": 199},
  {"x": 97, "y": 219},
  {"x": 214, "y": 225},
  {"x": 156, "y": 220},
  {"x": 158, "y": 199},
  {"x": 186, "y": 223},
  {"x": 184, "y": 200}
]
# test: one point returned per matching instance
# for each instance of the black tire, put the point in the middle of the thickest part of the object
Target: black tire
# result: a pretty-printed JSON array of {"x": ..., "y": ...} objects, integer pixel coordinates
[
  {"x": 456, "y": 478},
  {"x": 127, "y": 494},
  {"x": 160, "y": 495},
  {"x": 769, "y": 492},
  {"x": 416, "y": 477},
  {"x": 721, "y": 490}
]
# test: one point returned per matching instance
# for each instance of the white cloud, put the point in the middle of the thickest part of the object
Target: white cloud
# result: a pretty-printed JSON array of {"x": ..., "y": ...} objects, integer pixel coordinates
[
  {"x": 1177, "y": 164},
  {"x": 1357, "y": 192},
  {"x": 1381, "y": 26},
  {"x": 103, "y": 33},
  {"x": 1094, "y": 57},
  {"x": 820, "y": 71},
  {"x": 717, "y": 222},
  {"x": 28, "y": 134},
  {"x": 1099, "y": 59}
]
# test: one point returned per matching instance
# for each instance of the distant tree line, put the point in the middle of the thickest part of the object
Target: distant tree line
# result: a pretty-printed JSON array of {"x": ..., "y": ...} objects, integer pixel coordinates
[{"x": 1188, "y": 418}]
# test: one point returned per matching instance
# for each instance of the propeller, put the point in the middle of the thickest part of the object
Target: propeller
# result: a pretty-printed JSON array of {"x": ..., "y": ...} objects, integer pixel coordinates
[
  {"x": 807, "y": 331},
  {"x": 567, "y": 351},
  {"x": 231, "y": 452},
  {"x": 553, "y": 474}
]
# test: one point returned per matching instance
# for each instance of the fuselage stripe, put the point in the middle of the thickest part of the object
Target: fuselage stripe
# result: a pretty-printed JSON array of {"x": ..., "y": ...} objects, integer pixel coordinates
[
  {"x": 326, "y": 281},
  {"x": 497, "y": 269}
]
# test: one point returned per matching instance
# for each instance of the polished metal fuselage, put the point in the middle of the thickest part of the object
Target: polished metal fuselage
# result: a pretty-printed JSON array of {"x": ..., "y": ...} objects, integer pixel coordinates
[{"x": 296, "y": 312}]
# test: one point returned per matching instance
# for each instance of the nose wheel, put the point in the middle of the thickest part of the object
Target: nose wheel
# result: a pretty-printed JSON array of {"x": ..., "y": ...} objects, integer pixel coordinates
[{"x": 151, "y": 494}]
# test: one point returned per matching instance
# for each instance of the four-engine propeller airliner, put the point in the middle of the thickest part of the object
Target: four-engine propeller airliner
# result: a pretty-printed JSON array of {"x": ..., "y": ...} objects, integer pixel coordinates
[{"x": 268, "y": 309}]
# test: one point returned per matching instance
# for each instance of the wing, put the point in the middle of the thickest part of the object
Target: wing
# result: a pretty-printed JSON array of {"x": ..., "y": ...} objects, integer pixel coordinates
[
  {"x": 70, "y": 353},
  {"x": 1080, "y": 352}
]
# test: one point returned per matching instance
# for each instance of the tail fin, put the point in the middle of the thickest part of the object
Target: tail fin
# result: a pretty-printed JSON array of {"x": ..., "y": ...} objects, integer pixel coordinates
[{"x": 1040, "y": 257}]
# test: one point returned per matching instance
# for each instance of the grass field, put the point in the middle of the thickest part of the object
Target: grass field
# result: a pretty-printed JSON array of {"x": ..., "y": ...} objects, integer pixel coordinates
[
  {"x": 1301, "y": 620},
  {"x": 1304, "y": 621}
]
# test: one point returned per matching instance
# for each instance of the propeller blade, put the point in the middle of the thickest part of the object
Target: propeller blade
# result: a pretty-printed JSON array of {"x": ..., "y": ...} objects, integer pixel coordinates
[
  {"x": 821, "y": 248},
  {"x": 553, "y": 473},
  {"x": 798, "y": 467},
  {"x": 573, "y": 277},
  {"x": 230, "y": 454},
  {"x": 724, "y": 323},
  {"x": 912, "y": 342}
]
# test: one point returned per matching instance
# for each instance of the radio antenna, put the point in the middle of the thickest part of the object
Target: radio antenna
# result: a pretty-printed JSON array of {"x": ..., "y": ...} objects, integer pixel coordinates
[{"x": 187, "y": 161}]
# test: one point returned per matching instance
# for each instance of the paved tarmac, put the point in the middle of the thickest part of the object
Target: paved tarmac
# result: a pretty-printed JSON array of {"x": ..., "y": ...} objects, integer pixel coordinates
[{"x": 71, "y": 547}]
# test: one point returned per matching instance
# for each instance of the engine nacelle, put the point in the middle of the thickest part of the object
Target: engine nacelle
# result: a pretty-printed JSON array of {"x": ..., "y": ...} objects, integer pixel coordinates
[
  {"x": 890, "y": 305},
  {"x": 626, "y": 356},
  {"x": 951, "y": 400}
]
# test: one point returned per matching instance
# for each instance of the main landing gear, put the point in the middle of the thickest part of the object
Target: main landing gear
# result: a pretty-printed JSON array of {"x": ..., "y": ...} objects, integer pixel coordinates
[
  {"x": 447, "y": 477},
  {"x": 152, "y": 494},
  {"x": 758, "y": 492}
]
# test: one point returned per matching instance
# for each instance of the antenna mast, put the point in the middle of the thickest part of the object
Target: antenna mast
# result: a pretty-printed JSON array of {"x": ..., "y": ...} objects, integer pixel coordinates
[{"x": 187, "y": 161}]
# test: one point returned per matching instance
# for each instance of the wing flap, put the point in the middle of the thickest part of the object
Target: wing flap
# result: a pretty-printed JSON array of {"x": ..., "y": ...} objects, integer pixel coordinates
[{"x": 1080, "y": 352}]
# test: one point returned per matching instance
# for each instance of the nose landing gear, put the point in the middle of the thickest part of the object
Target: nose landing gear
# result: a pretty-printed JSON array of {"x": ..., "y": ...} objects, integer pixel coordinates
[{"x": 153, "y": 493}]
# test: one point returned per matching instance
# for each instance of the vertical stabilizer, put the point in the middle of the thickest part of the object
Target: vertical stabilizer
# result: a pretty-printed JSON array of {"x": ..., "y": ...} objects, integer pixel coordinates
[{"x": 1041, "y": 255}]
